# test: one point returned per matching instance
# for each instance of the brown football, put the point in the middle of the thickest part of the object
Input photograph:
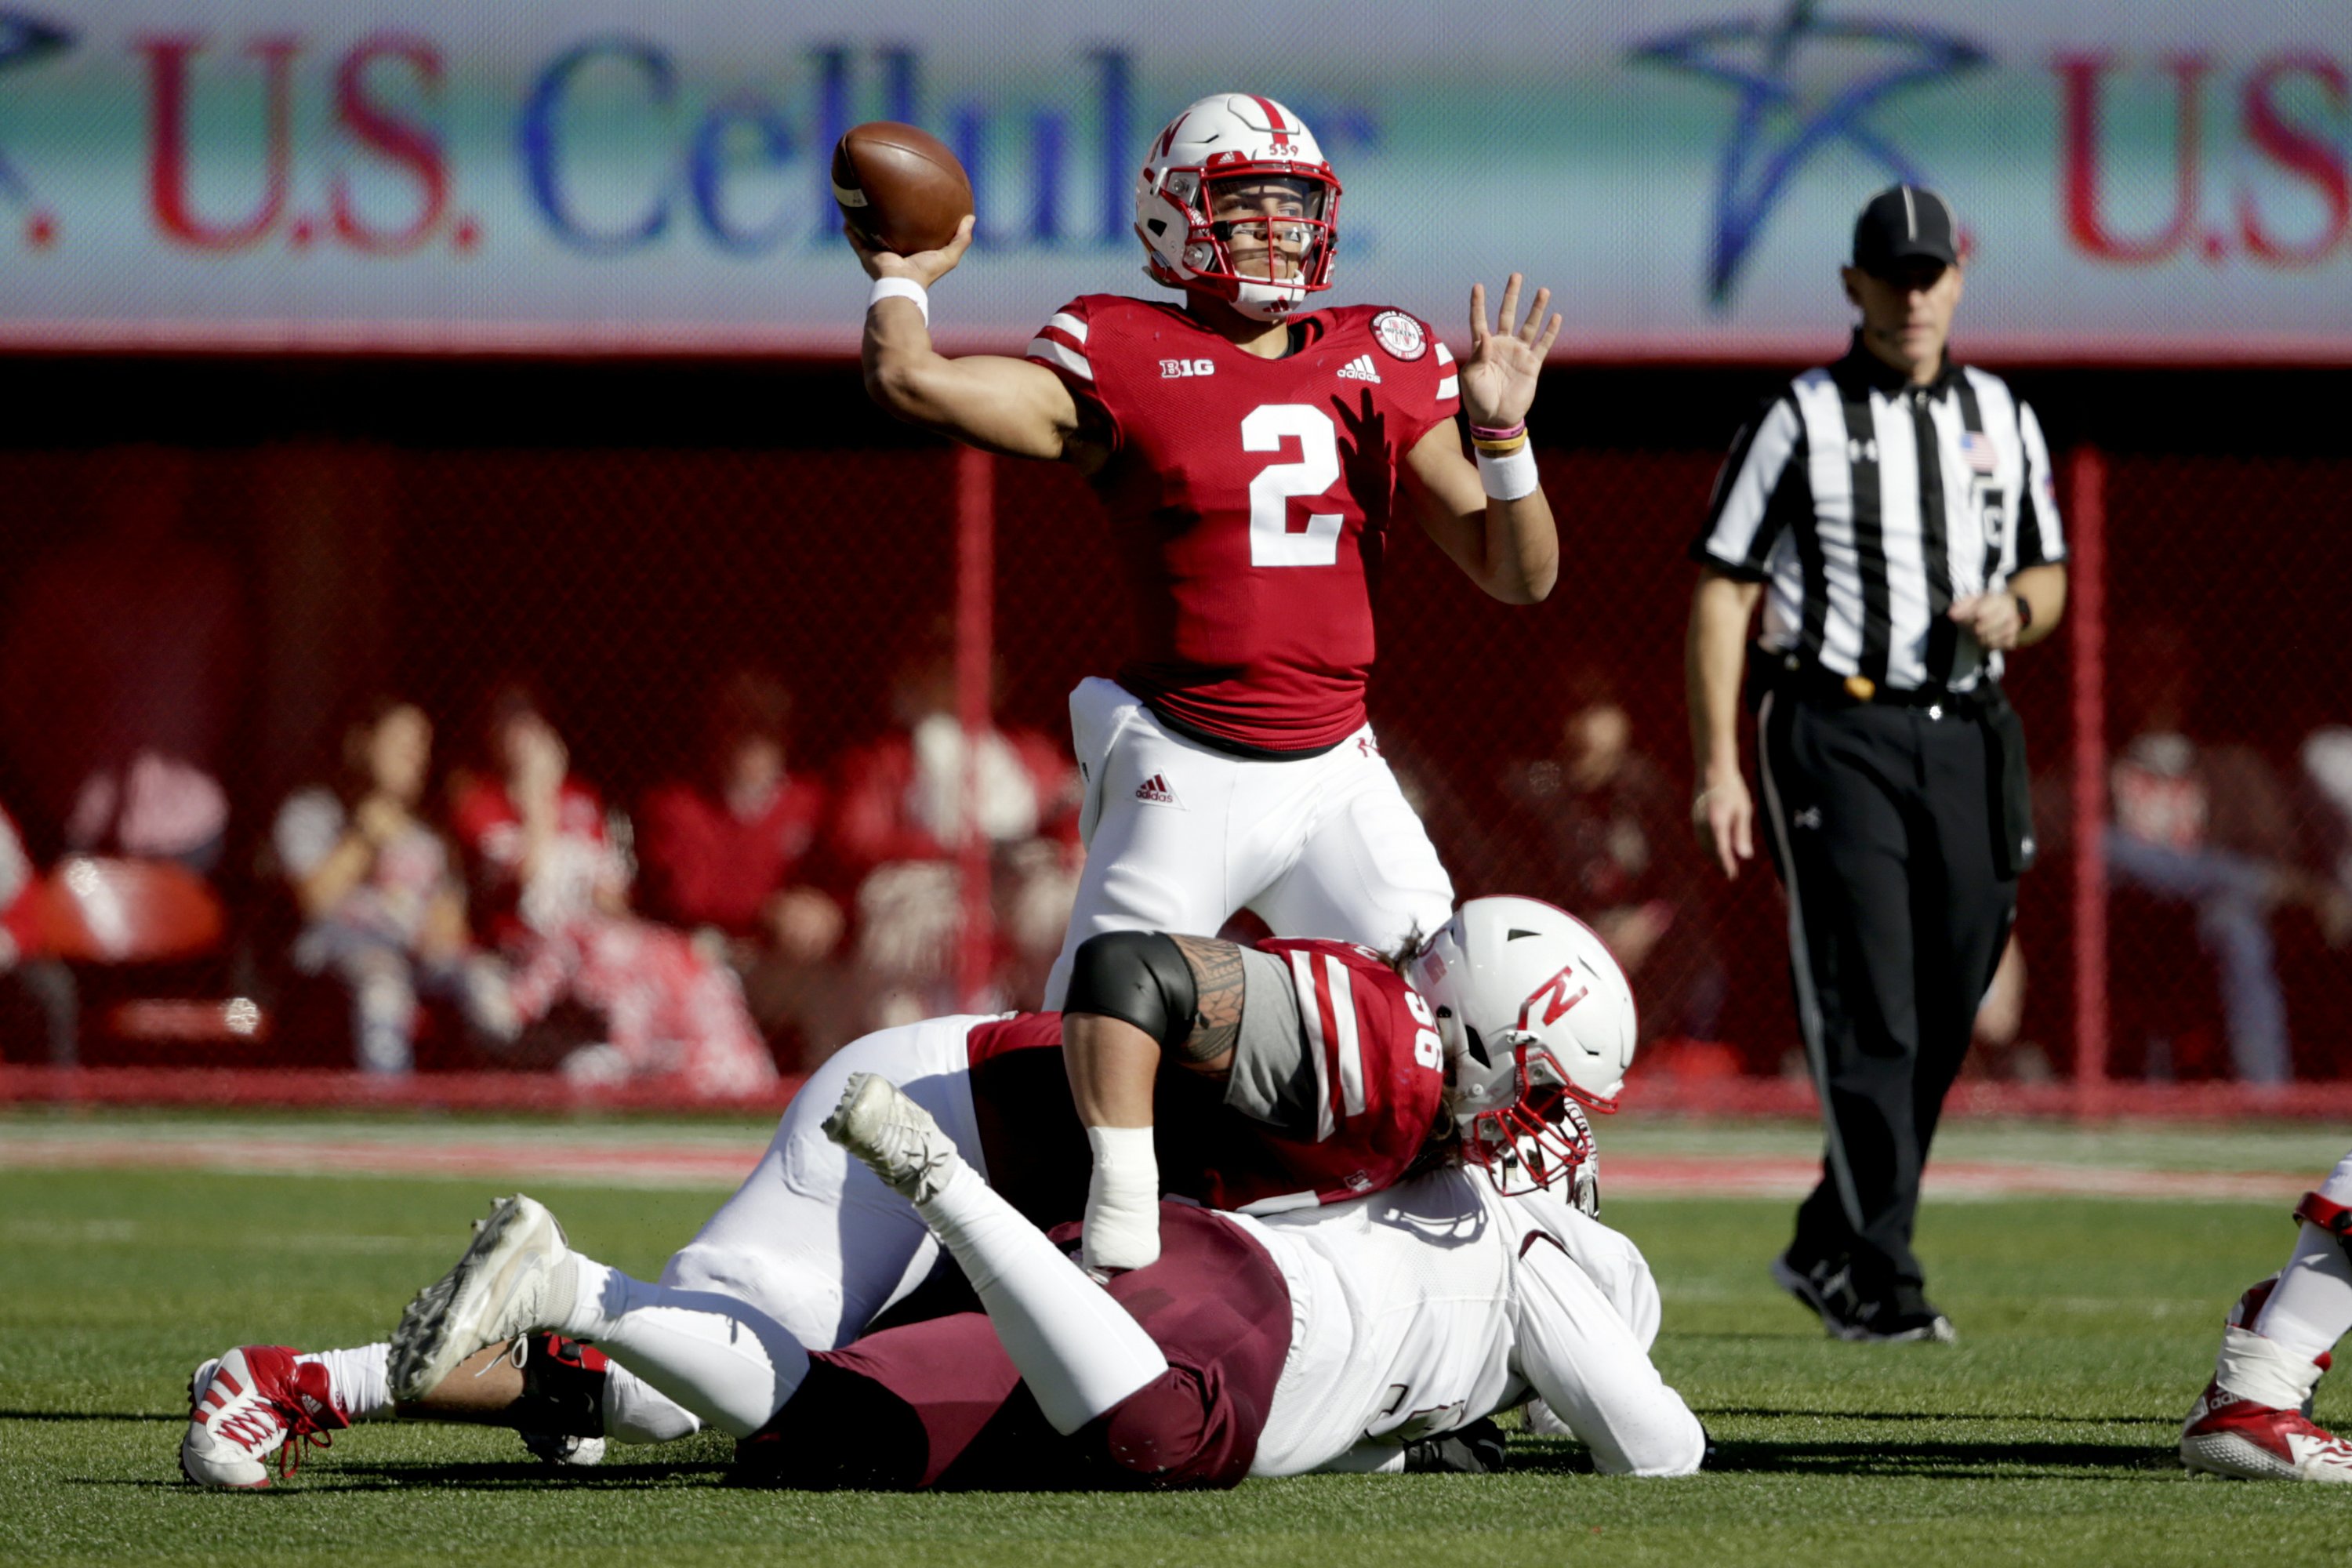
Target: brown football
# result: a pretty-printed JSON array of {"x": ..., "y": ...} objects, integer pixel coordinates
[{"x": 898, "y": 187}]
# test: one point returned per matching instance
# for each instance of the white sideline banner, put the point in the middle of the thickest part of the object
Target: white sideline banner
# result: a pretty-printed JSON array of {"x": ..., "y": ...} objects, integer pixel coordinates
[{"x": 2165, "y": 181}]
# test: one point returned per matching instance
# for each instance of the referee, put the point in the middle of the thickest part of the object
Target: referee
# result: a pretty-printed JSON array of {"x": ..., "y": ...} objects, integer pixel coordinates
[{"x": 1896, "y": 514}]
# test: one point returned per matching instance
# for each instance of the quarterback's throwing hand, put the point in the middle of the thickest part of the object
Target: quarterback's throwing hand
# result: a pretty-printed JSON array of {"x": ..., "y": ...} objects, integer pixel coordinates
[
  {"x": 924, "y": 266},
  {"x": 1498, "y": 378}
]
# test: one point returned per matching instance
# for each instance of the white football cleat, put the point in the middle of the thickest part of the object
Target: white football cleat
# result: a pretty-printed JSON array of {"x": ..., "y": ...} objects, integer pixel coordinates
[
  {"x": 2249, "y": 1422},
  {"x": 245, "y": 1407},
  {"x": 896, "y": 1137},
  {"x": 498, "y": 1291}
]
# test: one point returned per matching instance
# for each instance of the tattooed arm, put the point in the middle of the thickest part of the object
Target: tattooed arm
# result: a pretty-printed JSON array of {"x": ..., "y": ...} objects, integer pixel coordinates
[
  {"x": 1216, "y": 969},
  {"x": 1134, "y": 997},
  {"x": 1150, "y": 997}
]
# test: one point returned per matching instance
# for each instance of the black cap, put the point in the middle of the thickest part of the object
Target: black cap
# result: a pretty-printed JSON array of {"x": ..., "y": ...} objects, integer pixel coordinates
[{"x": 1901, "y": 221}]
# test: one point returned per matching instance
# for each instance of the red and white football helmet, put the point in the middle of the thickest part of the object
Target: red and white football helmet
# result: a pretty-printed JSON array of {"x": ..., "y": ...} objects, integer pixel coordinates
[
  {"x": 1533, "y": 1013},
  {"x": 1223, "y": 137}
]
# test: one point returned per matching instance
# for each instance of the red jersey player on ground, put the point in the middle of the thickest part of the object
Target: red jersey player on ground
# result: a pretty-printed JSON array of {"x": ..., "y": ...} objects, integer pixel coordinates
[
  {"x": 1251, "y": 454},
  {"x": 1281, "y": 1076}
]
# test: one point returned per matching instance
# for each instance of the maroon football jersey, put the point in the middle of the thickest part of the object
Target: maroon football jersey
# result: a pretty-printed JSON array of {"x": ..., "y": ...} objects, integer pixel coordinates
[
  {"x": 1250, "y": 499},
  {"x": 1379, "y": 1079}
]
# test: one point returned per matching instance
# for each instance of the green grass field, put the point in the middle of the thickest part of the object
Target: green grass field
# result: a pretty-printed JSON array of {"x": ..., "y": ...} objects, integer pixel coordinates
[{"x": 2046, "y": 1436}]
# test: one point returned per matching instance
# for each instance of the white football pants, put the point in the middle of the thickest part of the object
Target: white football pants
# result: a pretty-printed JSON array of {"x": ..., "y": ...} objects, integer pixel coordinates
[
  {"x": 813, "y": 1243},
  {"x": 1179, "y": 837}
]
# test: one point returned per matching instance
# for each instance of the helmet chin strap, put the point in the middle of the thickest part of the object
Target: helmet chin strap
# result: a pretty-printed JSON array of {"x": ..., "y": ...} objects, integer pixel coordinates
[
  {"x": 1263, "y": 310},
  {"x": 1257, "y": 301}
]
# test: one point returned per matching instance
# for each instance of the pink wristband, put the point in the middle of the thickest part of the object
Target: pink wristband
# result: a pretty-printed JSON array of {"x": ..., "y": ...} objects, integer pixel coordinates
[{"x": 1480, "y": 433}]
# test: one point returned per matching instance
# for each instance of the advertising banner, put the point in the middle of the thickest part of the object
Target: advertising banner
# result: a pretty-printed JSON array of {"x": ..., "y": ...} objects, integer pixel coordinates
[{"x": 2165, "y": 181}]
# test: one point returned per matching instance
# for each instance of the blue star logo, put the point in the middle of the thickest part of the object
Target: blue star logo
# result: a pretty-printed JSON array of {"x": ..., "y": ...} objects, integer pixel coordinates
[
  {"x": 23, "y": 40},
  {"x": 1804, "y": 82}
]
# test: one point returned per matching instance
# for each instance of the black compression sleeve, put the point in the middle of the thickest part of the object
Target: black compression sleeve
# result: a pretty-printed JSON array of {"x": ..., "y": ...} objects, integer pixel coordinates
[{"x": 1138, "y": 977}]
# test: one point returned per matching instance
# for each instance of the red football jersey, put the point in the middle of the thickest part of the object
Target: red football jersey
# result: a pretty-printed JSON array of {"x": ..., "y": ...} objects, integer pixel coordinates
[
  {"x": 1379, "y": 1078},
  {"x": 1250, "y": 499}
]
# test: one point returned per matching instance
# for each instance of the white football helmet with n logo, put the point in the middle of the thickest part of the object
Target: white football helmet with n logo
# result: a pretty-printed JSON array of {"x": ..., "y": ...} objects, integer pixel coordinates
[
  {"x": 1226, "y": 139},
  {"x": 1533, "y": 1011}
]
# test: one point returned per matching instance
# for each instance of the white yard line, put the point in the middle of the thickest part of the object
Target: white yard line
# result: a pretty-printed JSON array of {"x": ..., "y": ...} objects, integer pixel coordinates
[{"x": 621, "y": 1155}]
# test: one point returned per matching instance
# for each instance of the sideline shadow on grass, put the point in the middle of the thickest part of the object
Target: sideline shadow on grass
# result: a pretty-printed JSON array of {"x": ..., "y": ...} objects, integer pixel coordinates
[
  {"x": 1939, "y": 1417},
  {"x": 2080, "y": 1461},
  {"x": 527, "y": 1476}
]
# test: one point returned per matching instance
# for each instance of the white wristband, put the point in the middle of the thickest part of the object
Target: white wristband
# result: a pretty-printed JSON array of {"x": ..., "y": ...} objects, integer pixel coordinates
[
  {"x": 1122, "y": 1226},
  {"x": 901, "y": 289},
  {"x": 1509, "y": 477}
]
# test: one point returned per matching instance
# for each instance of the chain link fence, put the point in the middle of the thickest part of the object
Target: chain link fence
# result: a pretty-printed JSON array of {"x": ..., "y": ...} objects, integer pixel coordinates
[{"x": 701, "y": 770}]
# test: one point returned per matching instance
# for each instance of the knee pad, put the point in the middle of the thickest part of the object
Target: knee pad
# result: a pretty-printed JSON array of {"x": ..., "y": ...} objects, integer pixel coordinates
[{"x": 1138, "y": 977}]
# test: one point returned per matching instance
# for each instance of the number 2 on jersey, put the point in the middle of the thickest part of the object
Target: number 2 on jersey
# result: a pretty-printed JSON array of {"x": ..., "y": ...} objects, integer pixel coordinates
[{"x": 1272, "y": 541}]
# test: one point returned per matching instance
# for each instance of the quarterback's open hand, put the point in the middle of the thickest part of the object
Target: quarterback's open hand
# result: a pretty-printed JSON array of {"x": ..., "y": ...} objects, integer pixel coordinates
[
  {"x": 1498, "y": 377},
  {"x": 924, "y": 266}
]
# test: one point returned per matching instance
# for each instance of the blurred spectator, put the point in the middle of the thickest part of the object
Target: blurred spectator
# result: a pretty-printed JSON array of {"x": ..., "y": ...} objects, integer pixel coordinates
[
  {"x": 120, "y": 670},
  {"x": 726, "y": 853},
  {"x": 2213, "y": 828},
  {"x": 382, "y": 910},
  {"x": 552, "y": 881},
  {"x": 2327, "y": 767},
  {"x": 897, "y": 830},
  {"x": 41, "y": 989},
  {"x": 1616, "y": 851}
]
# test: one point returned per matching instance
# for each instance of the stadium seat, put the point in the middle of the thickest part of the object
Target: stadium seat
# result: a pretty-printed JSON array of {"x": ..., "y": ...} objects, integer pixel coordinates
[
  {"x": 96, "y": 910},
  {"x": 118, "y": 914}
]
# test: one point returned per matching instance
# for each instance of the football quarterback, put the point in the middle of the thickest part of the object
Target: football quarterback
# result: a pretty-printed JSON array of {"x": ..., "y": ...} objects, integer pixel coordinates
[{"x": 1251, "y": 451}]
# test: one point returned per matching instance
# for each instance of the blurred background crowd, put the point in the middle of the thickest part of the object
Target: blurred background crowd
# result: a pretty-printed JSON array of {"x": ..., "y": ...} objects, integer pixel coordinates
[{"x": 404, "y": 754}]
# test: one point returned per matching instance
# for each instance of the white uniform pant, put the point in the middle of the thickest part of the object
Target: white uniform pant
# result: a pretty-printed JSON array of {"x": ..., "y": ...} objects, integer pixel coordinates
[
  {"x": 1179, "y": 836},
  {"x": 813, "y": 1242}
]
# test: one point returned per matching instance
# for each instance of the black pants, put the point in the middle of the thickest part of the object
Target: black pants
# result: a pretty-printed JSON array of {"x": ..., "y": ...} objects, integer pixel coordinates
[{"x": 1880, "y": 820}]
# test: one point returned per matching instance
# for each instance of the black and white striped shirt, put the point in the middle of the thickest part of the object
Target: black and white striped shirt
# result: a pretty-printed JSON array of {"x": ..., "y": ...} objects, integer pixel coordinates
[{"x": 1869, "y": 506}]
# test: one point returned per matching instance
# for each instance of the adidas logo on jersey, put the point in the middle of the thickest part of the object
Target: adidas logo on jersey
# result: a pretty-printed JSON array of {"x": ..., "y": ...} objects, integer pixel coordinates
[
  {"x": 1360, "y": 368},
  {"x": 1156, "y": 791}
]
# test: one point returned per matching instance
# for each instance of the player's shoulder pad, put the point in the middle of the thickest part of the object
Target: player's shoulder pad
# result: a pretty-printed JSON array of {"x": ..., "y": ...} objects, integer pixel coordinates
[
  {"x": 1353, "y": 952},
  {"x": 1090, "y": 331},
  {"x": 1399, "y": 336},
  {"x": 1066, "y": 342},
  {"x": 1405, "y": 352},
  {"x": 1350, "y": 955}
]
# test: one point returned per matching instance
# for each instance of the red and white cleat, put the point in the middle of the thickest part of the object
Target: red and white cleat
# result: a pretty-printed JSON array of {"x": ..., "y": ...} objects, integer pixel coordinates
[
  {"x": 2249, "y": 1422},
  {"x": 252, "y": 1403}
]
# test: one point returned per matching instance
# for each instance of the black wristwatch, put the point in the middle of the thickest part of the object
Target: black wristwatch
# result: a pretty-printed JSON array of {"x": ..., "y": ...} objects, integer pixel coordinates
[{"x": 2024, "y": 611}]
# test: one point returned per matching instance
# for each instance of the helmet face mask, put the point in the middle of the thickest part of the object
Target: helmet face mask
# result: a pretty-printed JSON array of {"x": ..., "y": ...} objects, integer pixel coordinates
[
  {"x": 1539, "y": 1137},
  {"x": 1237, "y": 203},
  {"x": 1537, "y": 1021}
]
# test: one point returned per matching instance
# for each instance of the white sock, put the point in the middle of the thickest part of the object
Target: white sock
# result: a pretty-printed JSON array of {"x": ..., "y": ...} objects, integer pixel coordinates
[
  {"x": 357, "y": 1379},
  {"x": 637, "y": 1412},
  {"x": 2312, "y": 1308},
  {"x": 713, "y": 1355},
  {"x": 1077, "y": 1349}
]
